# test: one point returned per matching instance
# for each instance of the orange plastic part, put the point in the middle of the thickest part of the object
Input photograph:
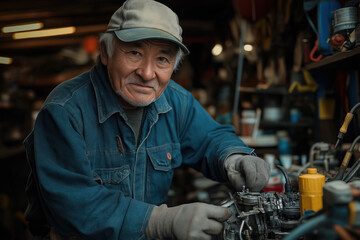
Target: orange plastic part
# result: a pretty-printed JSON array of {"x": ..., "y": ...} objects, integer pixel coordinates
[{"x": 311, "y": 190}]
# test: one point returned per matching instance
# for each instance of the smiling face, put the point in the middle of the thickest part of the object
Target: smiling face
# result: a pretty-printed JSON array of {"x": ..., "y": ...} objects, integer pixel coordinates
[{"x": 140, "y": 71}]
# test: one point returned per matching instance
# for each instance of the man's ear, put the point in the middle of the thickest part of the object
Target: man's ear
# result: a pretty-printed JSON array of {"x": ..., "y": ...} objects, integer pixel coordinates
[{"x": 103, "y": 54}]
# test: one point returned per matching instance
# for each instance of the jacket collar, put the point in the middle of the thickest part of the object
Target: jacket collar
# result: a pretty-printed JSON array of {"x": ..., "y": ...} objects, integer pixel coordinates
[{"x": 106, "y": 98}]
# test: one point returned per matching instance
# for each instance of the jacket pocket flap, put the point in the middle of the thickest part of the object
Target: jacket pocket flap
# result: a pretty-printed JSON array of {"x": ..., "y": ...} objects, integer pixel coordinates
[
  {"x": 162, "y": 156},
  {"x": 112, "y": 175}
]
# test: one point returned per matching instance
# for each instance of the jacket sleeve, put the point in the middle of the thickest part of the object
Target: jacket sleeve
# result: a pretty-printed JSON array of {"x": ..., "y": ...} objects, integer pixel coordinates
[
  {"x": 206, "y": 143},
  {"x": 73, "y": 202}
]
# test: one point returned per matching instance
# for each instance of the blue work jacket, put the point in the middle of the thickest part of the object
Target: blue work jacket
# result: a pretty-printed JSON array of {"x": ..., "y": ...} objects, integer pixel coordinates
[{"x": 91, "y": 178}]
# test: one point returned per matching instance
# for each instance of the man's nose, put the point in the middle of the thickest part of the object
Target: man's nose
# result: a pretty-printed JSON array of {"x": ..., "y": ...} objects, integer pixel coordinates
[{"x": 146, "y": 70}]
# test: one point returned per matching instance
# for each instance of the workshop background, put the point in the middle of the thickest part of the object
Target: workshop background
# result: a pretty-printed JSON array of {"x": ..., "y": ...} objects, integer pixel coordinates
[{"x": 283, "y": 73}]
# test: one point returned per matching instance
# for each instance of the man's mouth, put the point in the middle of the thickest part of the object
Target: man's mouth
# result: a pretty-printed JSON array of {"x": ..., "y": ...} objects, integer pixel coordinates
[{"x": 142, "y": 88}]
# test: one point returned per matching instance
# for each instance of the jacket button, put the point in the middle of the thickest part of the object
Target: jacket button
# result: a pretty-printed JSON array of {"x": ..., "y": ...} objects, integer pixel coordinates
[{"x": 168, "y": 155}]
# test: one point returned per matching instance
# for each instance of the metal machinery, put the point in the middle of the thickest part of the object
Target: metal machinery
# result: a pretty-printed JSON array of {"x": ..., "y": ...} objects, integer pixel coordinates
[
  {"x": 272, "y": 215},
  {"x": 268, "y": 215}
]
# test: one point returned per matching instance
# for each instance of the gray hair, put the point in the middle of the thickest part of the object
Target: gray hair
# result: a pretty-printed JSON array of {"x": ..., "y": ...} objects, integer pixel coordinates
[{"x": 108, "y": 38}]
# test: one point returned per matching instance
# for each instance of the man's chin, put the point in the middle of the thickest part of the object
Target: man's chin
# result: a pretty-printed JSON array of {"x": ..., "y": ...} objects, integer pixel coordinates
[
  {"x": 128, "y": 103},
  {"x": 140, "y": 103}
]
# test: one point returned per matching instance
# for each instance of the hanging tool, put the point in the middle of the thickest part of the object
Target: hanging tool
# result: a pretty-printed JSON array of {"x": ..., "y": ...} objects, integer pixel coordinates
[
  {"x": 343, "y": 130},
  {"x": 315, "y": 51},
  {"x": 346, "y": 160},
  {"x": 325, "y": 10}
]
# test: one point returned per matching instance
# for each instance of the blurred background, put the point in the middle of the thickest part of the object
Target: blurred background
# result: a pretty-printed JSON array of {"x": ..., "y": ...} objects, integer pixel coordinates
[{"x": 283, "y": 73}]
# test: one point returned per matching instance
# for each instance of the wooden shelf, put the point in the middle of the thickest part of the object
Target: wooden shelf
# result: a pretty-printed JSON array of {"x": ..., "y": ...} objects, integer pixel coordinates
[
  {"x": 269, "y": 91},
  {"x": 341, "y": 60},
  {"x": 273, "y": 90},
  {"x": 286, "y": 124},
  {"x": 6, "y": 152}
]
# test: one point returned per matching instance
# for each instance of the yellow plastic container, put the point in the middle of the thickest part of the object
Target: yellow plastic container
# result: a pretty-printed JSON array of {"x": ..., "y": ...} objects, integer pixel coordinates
[{"x": 311, "y": 190}]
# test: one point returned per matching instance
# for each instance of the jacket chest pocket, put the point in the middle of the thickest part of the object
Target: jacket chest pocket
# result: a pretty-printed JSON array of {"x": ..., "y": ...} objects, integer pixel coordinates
[
  {"x": 160, "y": 171},
  {"x": 114, "y": 178}
]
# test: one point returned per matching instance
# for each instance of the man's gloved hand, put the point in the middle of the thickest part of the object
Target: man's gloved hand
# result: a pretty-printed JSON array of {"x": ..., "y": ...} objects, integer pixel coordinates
[
  {"x": 247, "y": 170},
  {"x": 187, "y": 222}
]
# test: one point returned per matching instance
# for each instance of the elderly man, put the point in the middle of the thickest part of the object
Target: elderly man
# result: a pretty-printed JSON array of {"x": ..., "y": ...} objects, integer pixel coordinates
[{"x": 106, "y": 143}]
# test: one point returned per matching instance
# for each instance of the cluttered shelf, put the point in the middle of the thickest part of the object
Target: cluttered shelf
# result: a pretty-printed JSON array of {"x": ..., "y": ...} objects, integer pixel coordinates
[
  {"x": 286, "y": 103},
  {"x": 287, "y": 124},
  {"x": 265, "y": 90},
  {"x": 344, "y": 60},
  {"x": 273, "y": 90}
]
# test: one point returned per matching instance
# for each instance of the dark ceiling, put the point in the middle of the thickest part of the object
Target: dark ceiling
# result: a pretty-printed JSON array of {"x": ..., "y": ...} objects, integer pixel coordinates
[{"x": 201, "y": 21}]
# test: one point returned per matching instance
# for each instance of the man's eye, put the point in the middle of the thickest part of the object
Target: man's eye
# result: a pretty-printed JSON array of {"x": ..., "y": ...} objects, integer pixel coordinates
[
  {"x": 135, "y": 53},
  {"x": 163, "y": 59}
]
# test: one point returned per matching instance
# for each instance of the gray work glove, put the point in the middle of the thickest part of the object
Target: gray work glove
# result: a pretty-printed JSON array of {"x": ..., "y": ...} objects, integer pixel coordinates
[
  {"x": 247, "y": 170},
  {"x": 187, "y": 222}
]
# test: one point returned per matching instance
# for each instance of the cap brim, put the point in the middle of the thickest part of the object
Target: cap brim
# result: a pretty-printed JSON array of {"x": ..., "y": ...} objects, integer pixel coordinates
[{"x": 137, "y": 34}]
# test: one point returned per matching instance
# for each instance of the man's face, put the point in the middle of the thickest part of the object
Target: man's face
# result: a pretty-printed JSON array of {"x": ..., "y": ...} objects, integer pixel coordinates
[{"x": 140, "y": 71}]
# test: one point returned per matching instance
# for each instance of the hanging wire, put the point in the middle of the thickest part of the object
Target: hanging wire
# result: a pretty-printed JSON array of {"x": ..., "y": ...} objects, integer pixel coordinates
[
  {"x": 343, "y": 130},
  {"x": 346, "y": 160}
]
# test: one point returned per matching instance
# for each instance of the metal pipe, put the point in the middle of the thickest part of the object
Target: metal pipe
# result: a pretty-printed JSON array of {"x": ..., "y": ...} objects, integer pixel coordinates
[{"x": 306, "y": 227}]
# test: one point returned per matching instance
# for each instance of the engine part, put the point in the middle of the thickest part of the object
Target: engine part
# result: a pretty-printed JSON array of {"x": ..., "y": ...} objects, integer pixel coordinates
[
  {"x": 268, "y": 215},
  {"x": 337, "y": 192},
  {"x": 320, "y": 154},
  {"x": 341, "y": 212},
  {"x": 345, "y": 19},
  {"x": 311, "y": 190}
]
